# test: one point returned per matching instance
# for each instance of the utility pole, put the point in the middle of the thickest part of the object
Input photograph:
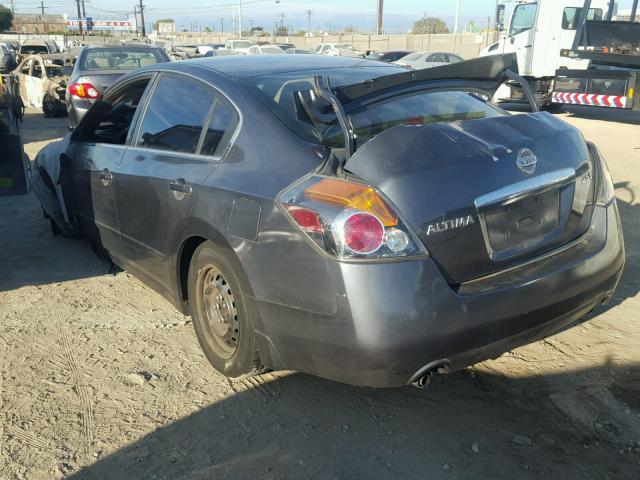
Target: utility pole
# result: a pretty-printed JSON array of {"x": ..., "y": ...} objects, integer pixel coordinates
[
  {"x": 379, "y": 18},
  {"x": 221, "y": 24},
  {"x": 309, "y": 13},
  {"x": 84, "y": 13},
  {"x": 282, "y": 15},
  {"x": 141, "y": 8},
  {"x": 42, "y": 7},
  {"x": 79, "y": 19},
  {"x": 455, "y": 26},
  {"x": 13, "y": 9},
  {"x": 240, "y": 17}
]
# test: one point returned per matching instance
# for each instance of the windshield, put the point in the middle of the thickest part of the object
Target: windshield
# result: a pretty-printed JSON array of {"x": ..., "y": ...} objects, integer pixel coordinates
[
  {"x": 241, "y": 44},
  {"x": 31, "y": 49},
  {"x": 119, "y": 58},
  {"x": 278, "y": 93},
  {"x": 422, "y": 108},
  {"x": 524, "y": 16}
]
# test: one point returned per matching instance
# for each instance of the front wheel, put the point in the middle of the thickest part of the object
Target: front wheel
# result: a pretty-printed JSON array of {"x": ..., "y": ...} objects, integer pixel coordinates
[{"x": 220, "y": 315}]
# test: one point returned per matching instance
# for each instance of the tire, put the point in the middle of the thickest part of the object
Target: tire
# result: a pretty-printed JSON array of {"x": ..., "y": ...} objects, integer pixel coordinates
[
  {"x": 51, "y": 107},
  {"x": 220, "y": 315},
  {"x": 552, "y": 107}
]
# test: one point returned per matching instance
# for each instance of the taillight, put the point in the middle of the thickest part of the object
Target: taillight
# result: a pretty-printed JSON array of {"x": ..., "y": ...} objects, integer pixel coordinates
[
  {"x": 83, "y": 90},
  {"x": 349, "y": 220}
]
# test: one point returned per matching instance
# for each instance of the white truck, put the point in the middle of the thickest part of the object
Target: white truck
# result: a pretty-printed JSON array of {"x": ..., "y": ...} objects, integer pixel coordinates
[{"x": 536, "y": 32}]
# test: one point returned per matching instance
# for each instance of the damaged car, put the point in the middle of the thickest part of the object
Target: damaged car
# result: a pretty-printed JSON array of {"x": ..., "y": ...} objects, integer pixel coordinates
[
  {"x": 345, "y": 218},
  {"x": 43, "y": 83}
]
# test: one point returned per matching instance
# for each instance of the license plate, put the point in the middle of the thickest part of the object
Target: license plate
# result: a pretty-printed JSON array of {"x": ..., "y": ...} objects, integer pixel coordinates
[{"x": 523, "y": 223}]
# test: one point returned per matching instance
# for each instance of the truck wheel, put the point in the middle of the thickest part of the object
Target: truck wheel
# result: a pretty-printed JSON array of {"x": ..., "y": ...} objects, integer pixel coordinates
[
  {"x": 220, "y": 315},
  {"x": 553, "y": 107}
]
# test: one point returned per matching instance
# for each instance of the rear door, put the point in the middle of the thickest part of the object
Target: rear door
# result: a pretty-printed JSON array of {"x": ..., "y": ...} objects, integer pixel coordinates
[
  {"x": 161, "y": 174},
  {"x": 96, "y": 148}
]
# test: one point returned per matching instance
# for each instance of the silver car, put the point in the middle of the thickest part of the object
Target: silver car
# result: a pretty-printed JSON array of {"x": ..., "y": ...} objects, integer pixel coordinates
[
  {"x": 420, "y": 60},
  {"x": 99, "y": 66}
]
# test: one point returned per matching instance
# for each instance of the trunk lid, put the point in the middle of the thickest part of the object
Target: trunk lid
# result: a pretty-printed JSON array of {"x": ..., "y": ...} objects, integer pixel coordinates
[{"x": 485, "y": 194}]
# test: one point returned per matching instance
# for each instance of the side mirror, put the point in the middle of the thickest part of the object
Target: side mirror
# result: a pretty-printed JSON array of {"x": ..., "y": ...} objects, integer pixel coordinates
[{"x": 512, "y": 39}]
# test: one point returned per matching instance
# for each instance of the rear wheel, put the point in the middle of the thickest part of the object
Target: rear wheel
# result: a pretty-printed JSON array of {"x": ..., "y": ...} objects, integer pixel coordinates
[{"x": 220, "y": 315}]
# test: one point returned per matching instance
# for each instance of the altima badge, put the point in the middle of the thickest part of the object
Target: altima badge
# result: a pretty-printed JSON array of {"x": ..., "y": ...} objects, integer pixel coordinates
[{"x": 527, "y": 161}]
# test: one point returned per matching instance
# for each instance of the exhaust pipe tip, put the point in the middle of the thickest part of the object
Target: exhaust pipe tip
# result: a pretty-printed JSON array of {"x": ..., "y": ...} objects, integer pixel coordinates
[
  {"x": 423, "y": 377},
  {"x": 423, "y": 381}
]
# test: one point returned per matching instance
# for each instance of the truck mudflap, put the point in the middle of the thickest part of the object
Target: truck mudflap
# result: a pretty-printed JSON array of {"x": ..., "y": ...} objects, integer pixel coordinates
[{"x": 598, "y": 88}]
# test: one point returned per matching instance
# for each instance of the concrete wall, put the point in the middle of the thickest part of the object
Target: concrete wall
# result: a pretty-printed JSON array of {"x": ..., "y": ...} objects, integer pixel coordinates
[{"x": 467, "y": 45}]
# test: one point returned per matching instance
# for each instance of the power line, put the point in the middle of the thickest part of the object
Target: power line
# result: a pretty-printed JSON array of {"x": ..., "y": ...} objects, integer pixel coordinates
[{"x": 42, "y": 7}]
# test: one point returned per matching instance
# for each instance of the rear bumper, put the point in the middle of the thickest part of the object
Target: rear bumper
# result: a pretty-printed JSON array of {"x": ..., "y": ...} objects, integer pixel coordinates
[
  {"x": 393, "y": 319},
  {"x": 597, "y": 88}
]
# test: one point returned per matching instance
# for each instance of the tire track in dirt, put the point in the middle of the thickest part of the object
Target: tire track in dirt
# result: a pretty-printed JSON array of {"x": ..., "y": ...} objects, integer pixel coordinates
[
  {"x": 83, "y": 390},
  {"x": 29, "y": 439}
]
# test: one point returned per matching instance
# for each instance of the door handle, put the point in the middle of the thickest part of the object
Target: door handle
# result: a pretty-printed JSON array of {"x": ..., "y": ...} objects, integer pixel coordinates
[
  {"x": 105, "y": 177},
  {"x": 181, "y": 187}
]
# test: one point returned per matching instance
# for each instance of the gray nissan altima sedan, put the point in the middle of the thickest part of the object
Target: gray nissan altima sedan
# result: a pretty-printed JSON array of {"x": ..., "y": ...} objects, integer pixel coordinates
[{"x": 338, "y": 216}]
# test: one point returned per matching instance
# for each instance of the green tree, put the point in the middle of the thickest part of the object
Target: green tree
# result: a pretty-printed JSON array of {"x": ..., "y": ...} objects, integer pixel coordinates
[
  {"x": 6, "y": 18},
  {"x": 473, "y": 27},
  {"x": 429, "y": 25},
  {"x": 208, "y": 29}
]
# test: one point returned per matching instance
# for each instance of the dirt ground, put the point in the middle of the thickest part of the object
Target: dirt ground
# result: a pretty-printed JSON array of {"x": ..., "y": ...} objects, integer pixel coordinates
[{"x": 100, "y": 378}]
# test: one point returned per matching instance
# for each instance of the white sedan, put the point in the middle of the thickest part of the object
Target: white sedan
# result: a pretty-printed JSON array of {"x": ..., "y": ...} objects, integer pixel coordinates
[
  {"x": 421, "y": 60},
  {"x": 265, "y": 50}
]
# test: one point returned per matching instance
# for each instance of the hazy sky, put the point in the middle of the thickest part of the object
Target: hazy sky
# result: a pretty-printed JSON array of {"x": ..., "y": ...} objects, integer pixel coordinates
[{"x": 399, "y": 14}]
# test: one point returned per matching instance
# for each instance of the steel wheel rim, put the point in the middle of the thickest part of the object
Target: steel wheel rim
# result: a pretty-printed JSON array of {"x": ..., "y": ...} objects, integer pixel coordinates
[{"x": 218, "y": 305}]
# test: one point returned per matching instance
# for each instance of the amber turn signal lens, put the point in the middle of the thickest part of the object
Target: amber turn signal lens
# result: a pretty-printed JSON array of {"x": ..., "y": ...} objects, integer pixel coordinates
[{"x": 352, "y": 195}]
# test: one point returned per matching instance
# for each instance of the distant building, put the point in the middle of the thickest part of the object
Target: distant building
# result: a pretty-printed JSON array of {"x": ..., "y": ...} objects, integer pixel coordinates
[
  {"x": 31, "y": 23},
  {"x": 166, "y": 27}
]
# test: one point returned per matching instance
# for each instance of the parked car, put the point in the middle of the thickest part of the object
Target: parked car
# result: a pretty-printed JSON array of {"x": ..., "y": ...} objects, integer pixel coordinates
[
  {"x": 192, "y": 51},
  {"x": 421, "y": 60},
  {"x": 35, "y": 47},
  {"x": 216, "y": 46},
  {"x": 429, "y": 231},
  {"x": 265, "y": 49},
  {"x": 284, "y": 46},
  {"x": 98, "y": 66},
  {"x": 43, "y": 84},
  {"x": 391, "y": 56},
  {"x": 7, "y": 59},
  {"x": 298, "y": 51},
  {"x": 338, "y": 50},
  {"x": 238, "y": 45}
]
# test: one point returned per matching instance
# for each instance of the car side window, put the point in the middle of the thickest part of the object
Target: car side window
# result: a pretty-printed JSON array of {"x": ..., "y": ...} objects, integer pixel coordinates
[
  {"x": 109, "y": 121},
  {"x": 220, "y": 129},
  {"x": 454, "y": 58},
  {"x": 176, "y": 114},
  {"x": 437, "y": 57}
]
